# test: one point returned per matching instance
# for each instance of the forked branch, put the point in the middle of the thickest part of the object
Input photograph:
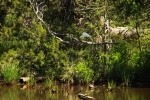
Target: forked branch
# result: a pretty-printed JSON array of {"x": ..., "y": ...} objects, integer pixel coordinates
[{"x": 38, "y": 7}]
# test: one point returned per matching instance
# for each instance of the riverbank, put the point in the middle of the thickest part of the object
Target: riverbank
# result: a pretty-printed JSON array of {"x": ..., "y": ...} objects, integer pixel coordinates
[{"x": 30, "y": 81}]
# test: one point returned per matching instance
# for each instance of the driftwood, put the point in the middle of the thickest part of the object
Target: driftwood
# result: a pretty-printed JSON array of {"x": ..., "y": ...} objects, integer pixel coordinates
[
  {"x": 85, "y": 97},
  {"x": 24, "y": 79}
]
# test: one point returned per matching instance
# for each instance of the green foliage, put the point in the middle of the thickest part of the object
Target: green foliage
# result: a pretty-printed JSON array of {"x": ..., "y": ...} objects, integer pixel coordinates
[
  {"x": 23, "y": 39},
  {"x": 121, "y": 62},
  {"x": 49, "y": 83},
  {"x": 10, "y": 72},
  {"x": 142, "y": 71},
  {"x": 83, "y": 74},
  {"x": 68, "y": 74},
  {"x": 9, "y": 66}
]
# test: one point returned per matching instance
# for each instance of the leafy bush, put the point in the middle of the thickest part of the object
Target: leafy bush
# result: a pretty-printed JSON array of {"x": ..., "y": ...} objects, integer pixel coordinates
[
  {"x": 10, "y": 72},
  {"x": 142, "y": 71},
  {"x": 68, "y": 74},
  {"x": 9, "y": 66},
  {"x": 83, "y": 74}
]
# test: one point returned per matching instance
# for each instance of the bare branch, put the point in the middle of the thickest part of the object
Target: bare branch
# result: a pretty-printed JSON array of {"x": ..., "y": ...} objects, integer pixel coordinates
[
  {"x": 36, "y": 8},
  {"x": 39, "y": 15}
]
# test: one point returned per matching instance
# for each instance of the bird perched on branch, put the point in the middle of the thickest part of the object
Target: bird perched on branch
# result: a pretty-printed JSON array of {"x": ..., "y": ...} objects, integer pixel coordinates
[{"x": 86, "y": 37}]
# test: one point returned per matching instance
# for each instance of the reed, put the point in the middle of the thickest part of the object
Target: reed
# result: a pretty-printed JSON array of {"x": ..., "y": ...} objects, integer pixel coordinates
[{"x": 111, "y": 85}]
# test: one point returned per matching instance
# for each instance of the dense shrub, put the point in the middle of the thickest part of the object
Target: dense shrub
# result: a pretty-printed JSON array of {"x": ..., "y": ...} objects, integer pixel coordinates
[{"x": 83, "y": 74}]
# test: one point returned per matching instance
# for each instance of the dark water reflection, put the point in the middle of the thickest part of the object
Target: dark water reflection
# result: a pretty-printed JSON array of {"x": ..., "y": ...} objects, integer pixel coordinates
[{"x": 69, "y": 93}]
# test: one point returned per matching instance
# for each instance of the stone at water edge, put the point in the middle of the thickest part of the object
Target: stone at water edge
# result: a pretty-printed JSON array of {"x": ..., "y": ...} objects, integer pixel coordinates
[
  {"x": 24, "y": 79},
  {"x": 85, "y": 97}
]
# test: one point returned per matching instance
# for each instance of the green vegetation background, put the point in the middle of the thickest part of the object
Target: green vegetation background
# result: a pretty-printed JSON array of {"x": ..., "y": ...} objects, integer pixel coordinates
[{"x": 28, "y": 49}]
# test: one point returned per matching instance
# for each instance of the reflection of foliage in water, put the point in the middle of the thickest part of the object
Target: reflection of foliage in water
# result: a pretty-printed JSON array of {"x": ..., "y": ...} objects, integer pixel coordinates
[{"x": 67, "y": 92}]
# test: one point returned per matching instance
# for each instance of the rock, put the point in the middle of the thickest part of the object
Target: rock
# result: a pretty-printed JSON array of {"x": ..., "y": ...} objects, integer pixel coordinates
[
  {"x": 24, "y": 87},
  {"x": 91, "y": 86},
  {"x": 53, "y": 91},
  {"x": 24, "y": 79},
  {"x": 85, "y": 97}
]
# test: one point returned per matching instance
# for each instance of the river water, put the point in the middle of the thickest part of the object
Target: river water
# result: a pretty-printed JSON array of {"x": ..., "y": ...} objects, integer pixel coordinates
[{"x": 65, "y": 92}]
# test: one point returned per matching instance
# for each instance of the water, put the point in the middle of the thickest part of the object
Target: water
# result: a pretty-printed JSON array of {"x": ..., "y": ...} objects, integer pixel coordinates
[{"x": 64, "y": 92}]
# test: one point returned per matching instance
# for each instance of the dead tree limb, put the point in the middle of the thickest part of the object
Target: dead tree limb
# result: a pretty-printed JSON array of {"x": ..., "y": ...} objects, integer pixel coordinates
[
  {"x": 37, "y": 7},
  {"x": 39, "y": 15}
]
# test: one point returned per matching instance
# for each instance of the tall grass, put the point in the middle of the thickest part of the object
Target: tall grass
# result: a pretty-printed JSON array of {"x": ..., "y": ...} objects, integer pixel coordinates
[
  {"x": 49, "y": 83},
  {"x": 111, "y": 85},
  {"x": 9, "y": 72}
]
